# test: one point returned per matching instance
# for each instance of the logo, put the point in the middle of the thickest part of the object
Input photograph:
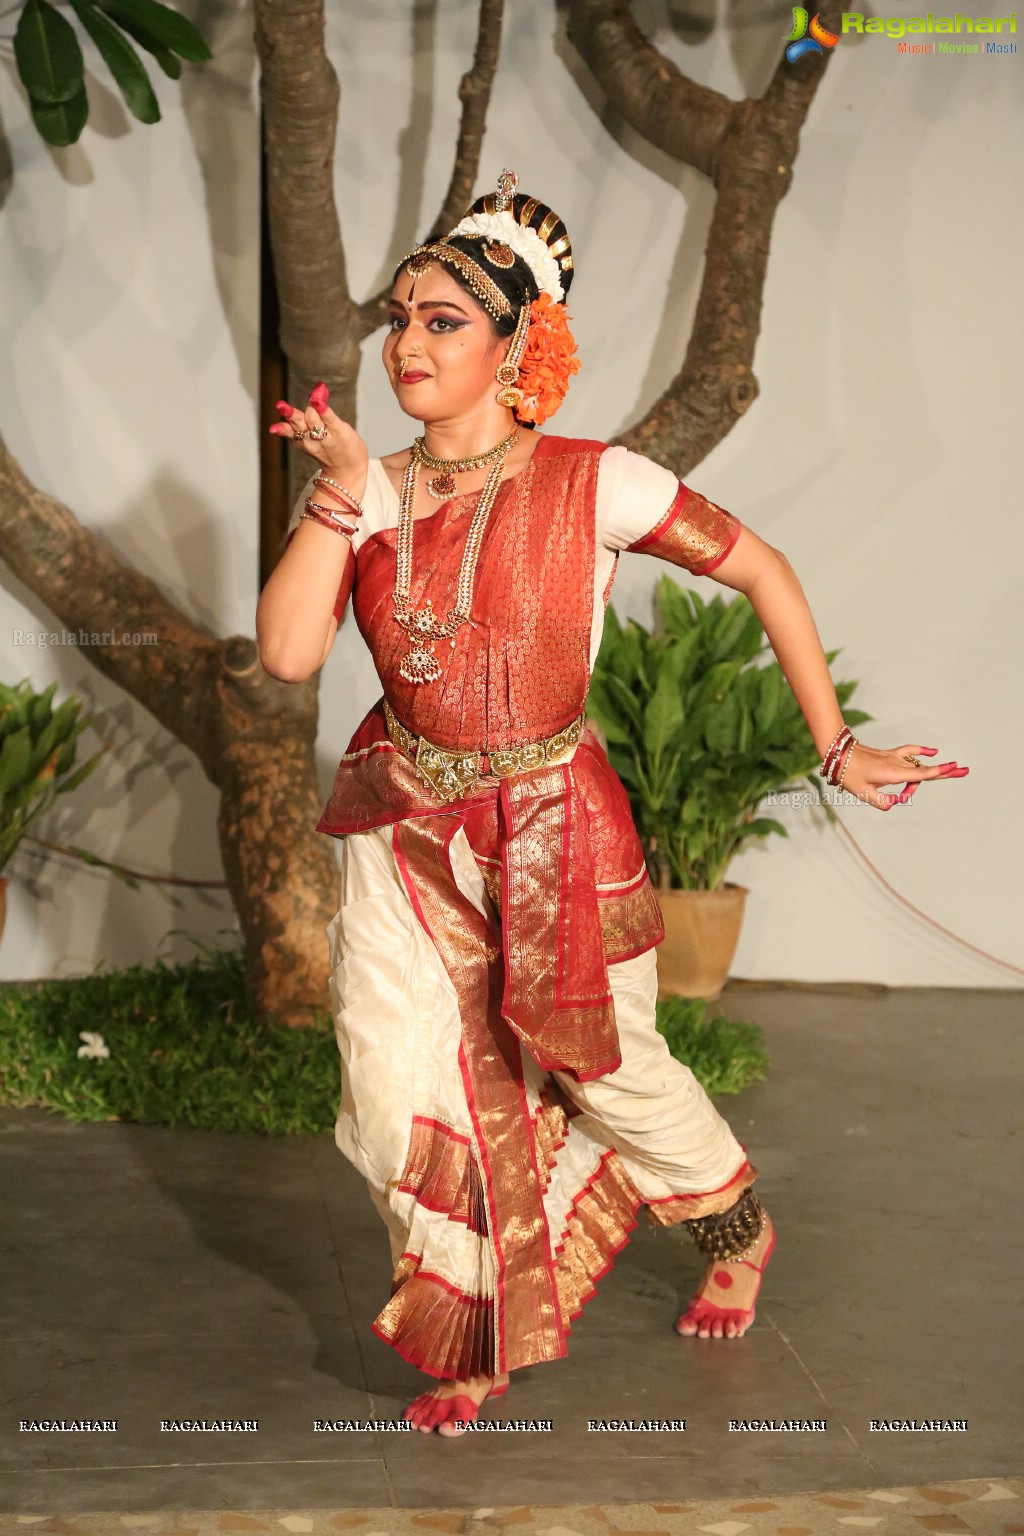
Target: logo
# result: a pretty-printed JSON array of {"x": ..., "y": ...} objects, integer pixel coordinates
[
  {"x": 799, "y": 43},
  {"x": 809, "y": 36}
]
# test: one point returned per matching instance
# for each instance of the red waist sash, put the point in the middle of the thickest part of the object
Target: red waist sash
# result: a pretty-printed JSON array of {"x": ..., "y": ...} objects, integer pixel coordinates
[{"x": 564, "y": 865}]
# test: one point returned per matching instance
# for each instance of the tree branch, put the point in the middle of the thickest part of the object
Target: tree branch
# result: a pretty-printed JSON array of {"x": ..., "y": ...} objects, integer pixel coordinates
[
  {"x": 665, "y": 106},
  {"x": 82, "y": 580},
  {"x": 475, "y": 95},
  {"x": 747, "y": 148},
  {"x": 300, "y": 96}
]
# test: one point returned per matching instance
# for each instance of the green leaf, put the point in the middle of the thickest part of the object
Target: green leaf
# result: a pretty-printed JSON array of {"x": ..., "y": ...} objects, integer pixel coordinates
[
  {"x": 163, "y": 24},
  {"x": 673, "y": 607},
  {"x": 49, "y": 59},
  {"x": 39, "y": 710},
  {"x": 620, "y": 693},
  {"x": 73, "y": 780},
  {"x": 14, "y": 758},
  {"x": 168, "y": 62},
  {"x": 768, "y": 706},
  {"x": 762, "y": 826},
  {"x": 62, "y": 123},
  {"x": 123, "y": 62},
  {"x": 733, "y": 629},
  {"x": 662, "y": 717}
]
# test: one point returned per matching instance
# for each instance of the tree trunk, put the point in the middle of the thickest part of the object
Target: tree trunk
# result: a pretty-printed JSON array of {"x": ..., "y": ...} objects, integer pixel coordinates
[{"x": 253, "y": 735}]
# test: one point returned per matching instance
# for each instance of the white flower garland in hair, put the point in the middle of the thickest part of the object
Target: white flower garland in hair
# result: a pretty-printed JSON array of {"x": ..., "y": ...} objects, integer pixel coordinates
[{"x": 525, "y": 242}]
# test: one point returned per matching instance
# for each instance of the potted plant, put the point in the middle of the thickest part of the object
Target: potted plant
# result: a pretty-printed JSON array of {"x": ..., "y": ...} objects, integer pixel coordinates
[
  {"x": 699, "y": 732},
  {"x": 37, "y": 754}
]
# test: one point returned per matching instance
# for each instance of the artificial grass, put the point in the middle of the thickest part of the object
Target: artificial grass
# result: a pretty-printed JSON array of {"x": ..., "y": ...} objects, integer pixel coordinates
[{"x": 186, "y": 1048}]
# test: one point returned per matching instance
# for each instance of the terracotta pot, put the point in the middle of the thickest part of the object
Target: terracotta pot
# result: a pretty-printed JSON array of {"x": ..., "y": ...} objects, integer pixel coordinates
[
  {"x": 702, "y": 930},
  {"x": 3, "y": 903}
]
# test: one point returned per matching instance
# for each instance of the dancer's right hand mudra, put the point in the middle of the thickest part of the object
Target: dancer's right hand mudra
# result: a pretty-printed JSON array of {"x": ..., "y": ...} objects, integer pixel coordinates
[{"x": 339, "y": 451}]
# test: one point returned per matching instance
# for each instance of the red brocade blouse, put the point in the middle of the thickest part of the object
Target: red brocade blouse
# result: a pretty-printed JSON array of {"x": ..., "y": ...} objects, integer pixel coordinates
[{"x": 557, "y": 845}]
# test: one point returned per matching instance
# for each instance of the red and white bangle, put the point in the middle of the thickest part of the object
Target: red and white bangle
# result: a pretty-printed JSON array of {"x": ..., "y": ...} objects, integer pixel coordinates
[
  {"x": 846, "y": 764},
  {"x": 335, "y": 524},
  {"x": 324, "y": 482},
  {"x": 831, "y": 758}
]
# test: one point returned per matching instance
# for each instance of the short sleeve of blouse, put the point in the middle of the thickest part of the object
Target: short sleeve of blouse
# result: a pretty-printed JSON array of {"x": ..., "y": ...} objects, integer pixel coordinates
[{"x": 643, "y": 507}]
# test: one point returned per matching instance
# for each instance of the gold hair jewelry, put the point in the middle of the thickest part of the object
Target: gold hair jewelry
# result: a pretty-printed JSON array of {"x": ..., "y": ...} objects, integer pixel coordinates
[
  {"x": 420, "y": 665},
  {"x": 498, "y": 253},
  {"x": 508, "y": 371},
  {"x": 443, "y": 484},
  {"x": 507, "y": 183},
  {"x": 485, "y": 288}
]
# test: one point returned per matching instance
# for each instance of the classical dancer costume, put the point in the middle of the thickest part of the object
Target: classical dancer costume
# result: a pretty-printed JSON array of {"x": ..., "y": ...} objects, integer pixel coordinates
[{"x": 505, "y": 1092}]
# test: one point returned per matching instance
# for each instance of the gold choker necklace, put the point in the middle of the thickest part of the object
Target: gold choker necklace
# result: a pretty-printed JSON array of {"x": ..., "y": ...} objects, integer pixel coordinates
[{"x": 442, "y": 486}]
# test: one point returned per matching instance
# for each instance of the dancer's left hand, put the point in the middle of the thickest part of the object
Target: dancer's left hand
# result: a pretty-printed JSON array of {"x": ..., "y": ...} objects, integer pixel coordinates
[{"x": 869, "y": 768}]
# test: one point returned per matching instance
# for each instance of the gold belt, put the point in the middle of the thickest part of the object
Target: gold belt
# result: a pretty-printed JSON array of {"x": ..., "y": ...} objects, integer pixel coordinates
[{"x": 455, "y": 773}]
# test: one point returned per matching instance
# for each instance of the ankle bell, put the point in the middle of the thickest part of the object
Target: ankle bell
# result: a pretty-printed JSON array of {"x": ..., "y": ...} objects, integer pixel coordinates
[{"x": 731, "y": 1234}]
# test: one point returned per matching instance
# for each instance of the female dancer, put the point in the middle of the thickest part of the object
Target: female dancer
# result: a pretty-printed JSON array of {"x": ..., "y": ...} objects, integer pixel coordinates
[{"x": 505, "y": 1091}]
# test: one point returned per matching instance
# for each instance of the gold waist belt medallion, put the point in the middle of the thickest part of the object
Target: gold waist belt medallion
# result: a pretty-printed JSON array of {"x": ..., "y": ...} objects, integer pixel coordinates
[{"x": 452, "y": 774}]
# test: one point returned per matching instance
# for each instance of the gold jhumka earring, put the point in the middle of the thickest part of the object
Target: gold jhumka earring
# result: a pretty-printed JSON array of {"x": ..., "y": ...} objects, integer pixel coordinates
[{"x": 508, "y": 372}]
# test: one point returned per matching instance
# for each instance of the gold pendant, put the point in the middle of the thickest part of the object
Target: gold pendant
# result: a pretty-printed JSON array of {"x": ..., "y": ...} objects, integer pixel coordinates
[
  {"x": 442, "y": 486},
  {"x": 420, "y": 666}
]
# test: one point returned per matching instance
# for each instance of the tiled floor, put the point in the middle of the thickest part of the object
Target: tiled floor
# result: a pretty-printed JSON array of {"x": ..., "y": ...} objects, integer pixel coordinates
[
  {"x": 150, "y": 1274},
  {"x": 982, "y": 1508}
]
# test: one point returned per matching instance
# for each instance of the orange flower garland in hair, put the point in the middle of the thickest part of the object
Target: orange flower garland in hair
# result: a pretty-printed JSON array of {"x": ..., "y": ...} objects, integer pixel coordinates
[{"x": 548, "y": 361}]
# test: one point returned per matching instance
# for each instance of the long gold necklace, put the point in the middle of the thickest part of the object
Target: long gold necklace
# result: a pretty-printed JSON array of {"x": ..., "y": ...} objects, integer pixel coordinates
[
  {"x": 443, "y": 484},
  {"x": 420, "y": 665}
]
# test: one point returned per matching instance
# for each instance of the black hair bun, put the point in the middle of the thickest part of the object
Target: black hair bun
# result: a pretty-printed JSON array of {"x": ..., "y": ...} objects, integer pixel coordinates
[{"x": 535, "y": 215}]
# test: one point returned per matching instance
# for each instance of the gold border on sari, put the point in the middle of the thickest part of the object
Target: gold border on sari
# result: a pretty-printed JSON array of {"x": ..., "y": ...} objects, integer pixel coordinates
[
  {"x": 441, "y": 1172},
  {"x": 527, "y": 1323}
]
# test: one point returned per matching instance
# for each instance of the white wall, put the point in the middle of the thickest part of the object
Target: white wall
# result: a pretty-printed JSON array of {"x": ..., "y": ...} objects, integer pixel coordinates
[{"x": 878, "y": 455}]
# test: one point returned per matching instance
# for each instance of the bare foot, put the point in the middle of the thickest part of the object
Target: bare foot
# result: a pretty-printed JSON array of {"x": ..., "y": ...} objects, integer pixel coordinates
[
  {"x": 436, "y": 1408},
  {"x": 723, "y": 1306}
]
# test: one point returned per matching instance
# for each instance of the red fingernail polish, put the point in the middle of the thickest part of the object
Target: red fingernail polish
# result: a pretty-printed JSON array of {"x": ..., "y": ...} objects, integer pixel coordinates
[{"x": 284, "y": 408}]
